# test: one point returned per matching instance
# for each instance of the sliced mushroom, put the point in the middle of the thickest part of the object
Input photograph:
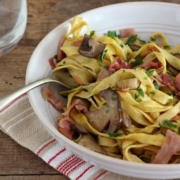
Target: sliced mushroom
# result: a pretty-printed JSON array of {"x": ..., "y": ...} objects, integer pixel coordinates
[
  {"x": 78, "y": 128},
  {"x": 132, "y": 83},
  {"x": 113, "y": 103},
  {"x": 99, "y": 119},
  {"x": 89, "y": 142},
  {"x": 126, "y": 120},
  {"x": 91, "y": 47}
]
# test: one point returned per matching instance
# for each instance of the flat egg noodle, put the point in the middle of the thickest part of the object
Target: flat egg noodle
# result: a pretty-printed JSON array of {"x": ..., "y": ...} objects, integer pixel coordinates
[
  {"x": 75, "y": 32},
  {"x": 173, "y": 111},
  {"x": 172, "y": 60},
  {"x": 161, "y": 37}
]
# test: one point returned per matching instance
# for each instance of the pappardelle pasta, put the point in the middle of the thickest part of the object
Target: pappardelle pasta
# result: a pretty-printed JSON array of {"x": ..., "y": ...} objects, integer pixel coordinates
[{"x": 124, "y": 100}]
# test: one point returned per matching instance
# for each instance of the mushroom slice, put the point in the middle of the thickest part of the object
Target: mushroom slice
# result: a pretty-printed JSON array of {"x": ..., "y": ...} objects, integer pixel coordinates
[
  {"x": 89, "y": 142},
  {"x": 99, "y": 119},
  {"x": 113, "y": 103},
  {"x": 91, "y": 47},
  {"x": 132, "y": 83}
]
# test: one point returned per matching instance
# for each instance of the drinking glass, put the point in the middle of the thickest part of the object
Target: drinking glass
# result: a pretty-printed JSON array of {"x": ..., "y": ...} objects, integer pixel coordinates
[{"x": 13, "y": 18}]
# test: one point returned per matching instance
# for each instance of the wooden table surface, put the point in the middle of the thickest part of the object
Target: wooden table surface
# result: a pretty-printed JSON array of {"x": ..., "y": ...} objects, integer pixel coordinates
[{"x": 16, "y": 162}]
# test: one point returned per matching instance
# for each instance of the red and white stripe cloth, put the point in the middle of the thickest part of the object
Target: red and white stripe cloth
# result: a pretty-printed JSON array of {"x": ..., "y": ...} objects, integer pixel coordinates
[{"x": 19, "y": 121}]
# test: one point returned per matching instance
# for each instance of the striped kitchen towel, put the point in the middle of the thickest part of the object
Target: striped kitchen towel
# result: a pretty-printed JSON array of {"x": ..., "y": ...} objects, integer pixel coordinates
[{"x": 19, "y": 121}]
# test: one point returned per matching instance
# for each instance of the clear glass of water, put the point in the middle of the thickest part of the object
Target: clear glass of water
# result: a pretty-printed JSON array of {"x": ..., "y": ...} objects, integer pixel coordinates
[{"x": 13, "y": 19}]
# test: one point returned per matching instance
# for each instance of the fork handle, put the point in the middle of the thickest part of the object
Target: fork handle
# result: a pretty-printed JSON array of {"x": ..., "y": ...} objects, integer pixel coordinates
[{"x": 6, "y": 100}]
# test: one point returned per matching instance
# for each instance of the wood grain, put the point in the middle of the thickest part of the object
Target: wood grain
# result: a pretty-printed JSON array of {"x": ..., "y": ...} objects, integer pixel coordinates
[{"x": 16, "y": 162}]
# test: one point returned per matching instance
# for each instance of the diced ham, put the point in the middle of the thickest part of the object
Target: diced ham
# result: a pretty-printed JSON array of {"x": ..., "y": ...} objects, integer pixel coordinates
[
  {"x": 166, "y": 79},
  {"x": 64, "y": 127},
  {"x": 48, "y": 94},
  {"x": 169, "y": 148},
  {"x": 61, "y": 55},
  {"x": 78, "y": 80},
  {"x": 177, "y": 82},
  {"x": 52, "y": 63},
  {"x": 154, "y": 64},
  {"x": 119, "y": 63},
  {"x": 175, "y": 118},
  {"x": 65, "y": 123},
  {"x": 127, "y": 32}
]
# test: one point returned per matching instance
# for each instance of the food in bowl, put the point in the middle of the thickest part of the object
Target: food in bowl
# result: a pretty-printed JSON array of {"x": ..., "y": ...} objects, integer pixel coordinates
[{"x": 125, "y": 97}]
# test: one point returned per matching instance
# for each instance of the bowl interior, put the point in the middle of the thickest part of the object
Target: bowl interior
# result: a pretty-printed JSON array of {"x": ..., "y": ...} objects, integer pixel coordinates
[{"x": 146, "y": 18}]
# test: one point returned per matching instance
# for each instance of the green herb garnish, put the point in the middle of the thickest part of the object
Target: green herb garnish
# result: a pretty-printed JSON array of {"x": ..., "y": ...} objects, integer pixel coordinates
[
  {"x": 92, "y": 33},
  {"x": 106, "y": 67},
  {"x": 114, "y": 99},
  {"x": 153, "y": 38},
  {"x": 167, "y": 46},
  {"x": 64, "y": 62},
  {"x": 131, "y": 40},
  {"x": 138, "y": 61},
  {"x": 150, "y": 72},
  {"x": 170, "y": 125},
  {"x": 103, "y": 54},
  {"x": 122, "y": 45},
  {"x": 55, "y": 57},
  {"x": 112, "y": 34},
  {"x": 152, "y": 93},
  {"x": 136, "y": 96},
  {"x": 141, "y": 92},
  {"x": 107, "y": 110},
  {"x": 170, "y": 100},
  {"x": 142, "y": 41},
  {"x": 110, "y": 134},
  {"x": 156, "y": 85}
]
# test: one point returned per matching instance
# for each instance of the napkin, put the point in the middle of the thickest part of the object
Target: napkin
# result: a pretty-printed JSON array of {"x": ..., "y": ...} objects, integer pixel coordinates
[{"x": 19, "y": 121}]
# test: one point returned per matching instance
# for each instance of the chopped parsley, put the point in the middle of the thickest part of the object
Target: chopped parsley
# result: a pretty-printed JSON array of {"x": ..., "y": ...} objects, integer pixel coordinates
[
  {"x": 128, "y": 57},
  {"x": 170, "y": 125},
  {"x": 104, "y": 104},
  {"x": 170, "y": 100},
  {"x": 152, "y": 93},
  {"x": 141, "y": 92},
  {"x": 150, "y": 72},
  {"x": 142, "y": 41},
  {"x": 92, "y": 33},
  {"x": 138, "y": 61},
  {"x": 110, "y": 134},
  {"x": 122, "y": 45},
  {"x": 107, "y": 110},
  {"x": 167, "y": 46},
  {"x": 131, "y": 40},
  {"x": 114, "y": 99},
  {"x": 136, "y": 96},
  {"x": 55, "y": 57},
  {"x": 64, "y": 62},
  {"x": 112, "y": 34},
  {"x": 153, "y": 38},
  {"x": 170, "y": 93},
  {"x": 106, "y": 67},
  {"x": 169, "y": 73},
  {"x": 99, "y": 63},
  {"x": 103, "y": 54},
  {"x": 156, "y": 85},
  {"x": 130, "y": 77}
]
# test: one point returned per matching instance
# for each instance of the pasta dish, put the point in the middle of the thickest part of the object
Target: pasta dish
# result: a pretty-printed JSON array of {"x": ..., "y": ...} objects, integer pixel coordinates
[{"x": 124, "y": 100}]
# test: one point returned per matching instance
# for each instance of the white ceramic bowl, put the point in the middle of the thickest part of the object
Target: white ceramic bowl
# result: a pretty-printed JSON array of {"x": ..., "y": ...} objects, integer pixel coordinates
[{"x": 146, "y": 18}]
